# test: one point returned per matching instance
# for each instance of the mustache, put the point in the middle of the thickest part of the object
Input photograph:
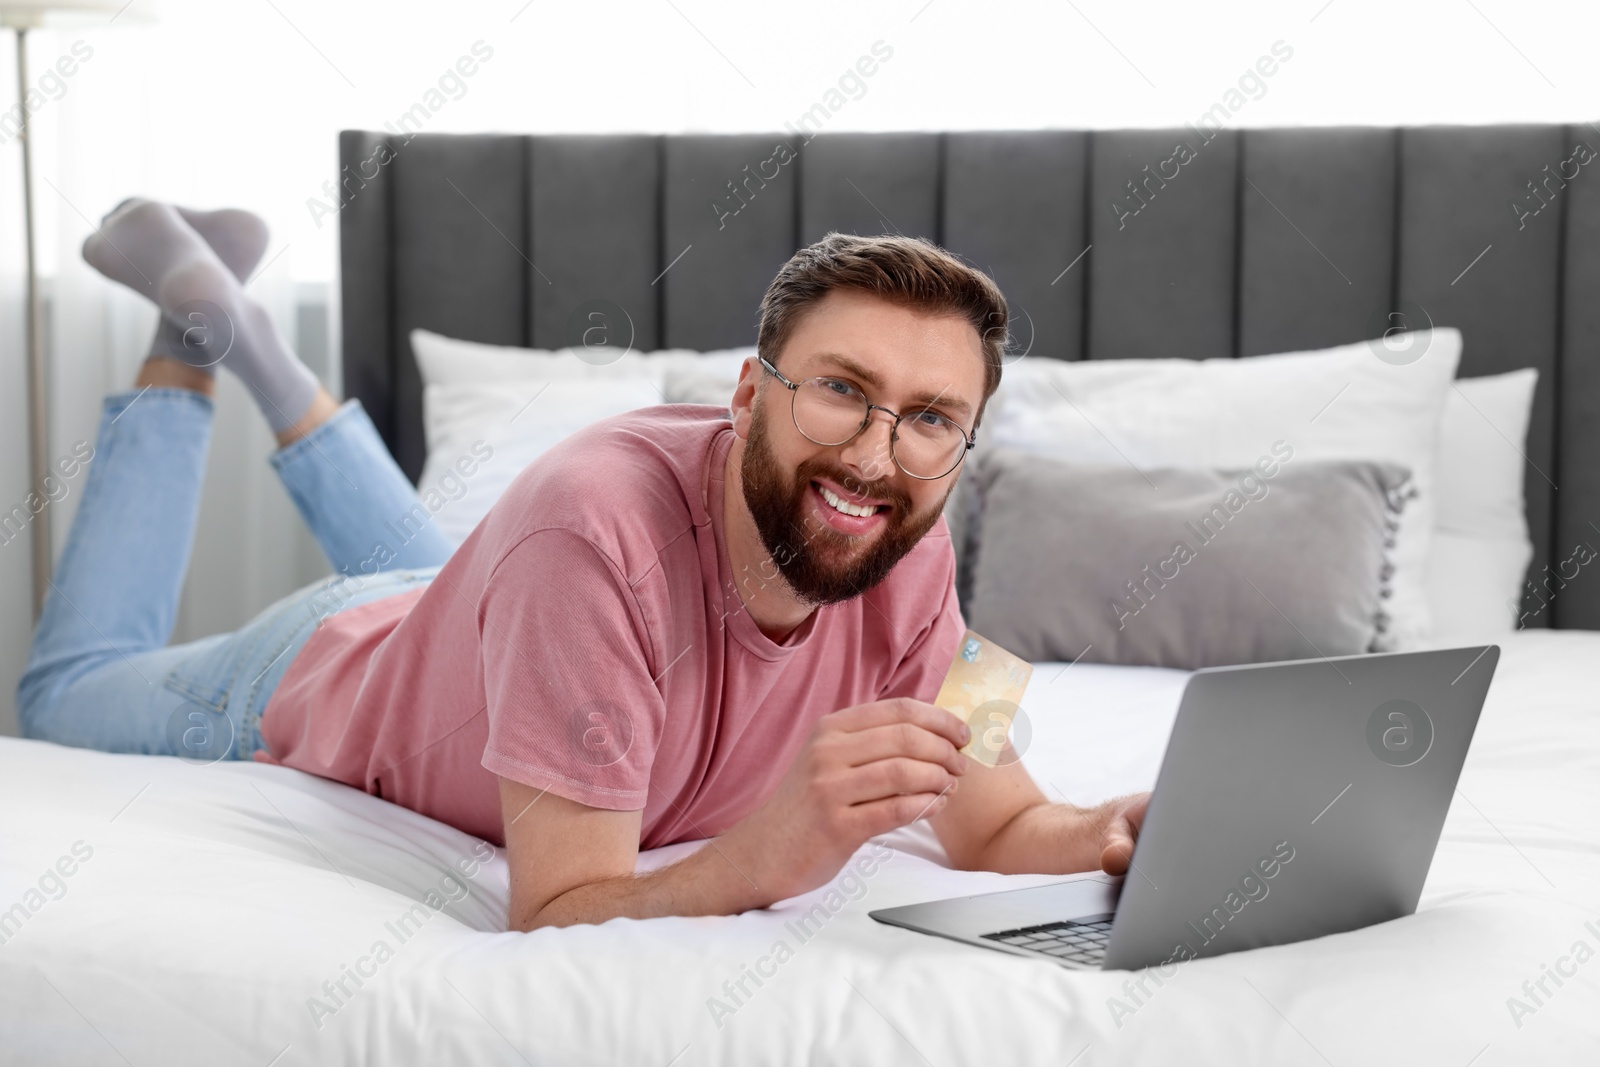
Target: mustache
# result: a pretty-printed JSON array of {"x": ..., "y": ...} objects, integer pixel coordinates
[{"x": 880, "y": 490}]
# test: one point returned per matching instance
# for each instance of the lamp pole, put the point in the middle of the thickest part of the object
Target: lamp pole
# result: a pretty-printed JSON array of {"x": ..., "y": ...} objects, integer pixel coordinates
[{"x": 38, "y": 409}]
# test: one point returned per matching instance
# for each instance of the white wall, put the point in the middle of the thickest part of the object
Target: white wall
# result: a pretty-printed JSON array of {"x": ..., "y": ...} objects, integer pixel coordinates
[{"x": 236, "y": 102}]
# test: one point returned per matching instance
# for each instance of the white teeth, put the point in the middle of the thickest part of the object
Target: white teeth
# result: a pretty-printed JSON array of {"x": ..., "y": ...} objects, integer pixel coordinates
[{"x": 844, "y": 506}]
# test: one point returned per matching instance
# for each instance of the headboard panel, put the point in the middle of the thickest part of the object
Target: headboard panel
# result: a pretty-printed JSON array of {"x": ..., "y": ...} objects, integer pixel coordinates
[
  {"x": 599, "y": 236},
  {"x": 1338, "y": 184},
  {"x": 1456, "y": 192},
  {"x": 1108, "y": 244},
  {"x": 1015, "y": 206},
  {"x": 721, "y": 248},
  {"x": 1576, "y": 405},
  {"x": 871, "y": 183},
  {"x": 1172, "y": 247}
]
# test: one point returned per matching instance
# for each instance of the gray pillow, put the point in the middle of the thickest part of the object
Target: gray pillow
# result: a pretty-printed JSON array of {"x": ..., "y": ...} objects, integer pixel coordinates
[{"x": 1182, "y": 568}]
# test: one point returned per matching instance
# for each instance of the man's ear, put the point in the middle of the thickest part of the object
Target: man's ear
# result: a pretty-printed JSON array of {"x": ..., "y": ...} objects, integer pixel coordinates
[{"x": 744, "y": 395}]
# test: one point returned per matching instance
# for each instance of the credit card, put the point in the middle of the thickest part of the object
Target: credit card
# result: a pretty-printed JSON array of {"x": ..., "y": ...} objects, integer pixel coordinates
[{"x": 984, "y": 690}]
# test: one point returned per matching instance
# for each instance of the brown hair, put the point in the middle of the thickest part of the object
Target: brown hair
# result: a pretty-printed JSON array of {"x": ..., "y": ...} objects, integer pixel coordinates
[{"x": 904, "y": 270}]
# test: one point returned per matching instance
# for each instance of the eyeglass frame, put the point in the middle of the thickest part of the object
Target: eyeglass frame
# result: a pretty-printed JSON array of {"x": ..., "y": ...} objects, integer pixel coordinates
[{"x": 970, "y": 440}]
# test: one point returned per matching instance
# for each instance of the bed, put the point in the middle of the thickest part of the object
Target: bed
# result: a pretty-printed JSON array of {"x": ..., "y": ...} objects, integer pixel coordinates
[
  {"x": 219, "y": 899},
  {"x": 153, "y": 910}
]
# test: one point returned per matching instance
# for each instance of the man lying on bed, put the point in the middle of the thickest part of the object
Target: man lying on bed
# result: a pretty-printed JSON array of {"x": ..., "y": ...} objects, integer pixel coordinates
[{"x": 624, "y": 653}]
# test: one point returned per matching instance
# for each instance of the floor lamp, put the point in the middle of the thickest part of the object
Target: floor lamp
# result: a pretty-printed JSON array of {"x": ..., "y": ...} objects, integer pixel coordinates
[{"x": 22, "y": 16}]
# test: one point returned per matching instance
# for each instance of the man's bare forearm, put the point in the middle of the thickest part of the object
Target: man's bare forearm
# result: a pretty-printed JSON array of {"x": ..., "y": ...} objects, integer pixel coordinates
[
  {"x": 1046, "y": 839},
  {"x": 703, "y": 883}
]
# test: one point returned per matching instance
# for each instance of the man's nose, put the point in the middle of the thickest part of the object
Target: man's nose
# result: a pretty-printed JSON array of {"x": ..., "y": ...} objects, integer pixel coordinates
[{"x": 869, "y": 453}]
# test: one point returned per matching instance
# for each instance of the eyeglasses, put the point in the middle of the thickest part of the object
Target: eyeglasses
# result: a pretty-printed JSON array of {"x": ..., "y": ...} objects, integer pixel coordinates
[{"x": 832, "y": 411}]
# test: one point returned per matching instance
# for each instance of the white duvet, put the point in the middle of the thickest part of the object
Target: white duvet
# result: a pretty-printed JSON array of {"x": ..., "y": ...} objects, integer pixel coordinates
[{"x": 162, "y": 913}]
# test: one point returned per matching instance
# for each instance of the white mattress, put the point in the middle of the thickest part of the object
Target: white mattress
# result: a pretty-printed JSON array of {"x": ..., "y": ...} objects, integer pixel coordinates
[{"x": 216, "y": 901}]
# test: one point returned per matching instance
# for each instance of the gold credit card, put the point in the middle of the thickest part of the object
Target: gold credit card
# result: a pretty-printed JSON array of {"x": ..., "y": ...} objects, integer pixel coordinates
[{"x": 984, "y": 690}]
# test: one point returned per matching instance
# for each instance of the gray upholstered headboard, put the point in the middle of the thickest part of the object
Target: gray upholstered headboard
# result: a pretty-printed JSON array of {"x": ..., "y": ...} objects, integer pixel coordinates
[{"x": 1108, "y": 244}]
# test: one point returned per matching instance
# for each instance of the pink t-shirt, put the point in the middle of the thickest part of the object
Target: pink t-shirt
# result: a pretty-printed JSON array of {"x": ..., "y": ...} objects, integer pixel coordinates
[{"x": 588, "y": 638}]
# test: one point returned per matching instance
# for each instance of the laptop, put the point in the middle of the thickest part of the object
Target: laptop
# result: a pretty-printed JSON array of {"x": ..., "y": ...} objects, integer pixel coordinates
[{"x": 1295, "y": 799}]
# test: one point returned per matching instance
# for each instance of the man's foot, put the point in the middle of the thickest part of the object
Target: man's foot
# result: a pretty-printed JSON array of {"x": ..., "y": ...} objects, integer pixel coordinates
[
  {"x": 151, "y": 248},
  {"x": 239, "y": 239},
  {"x": 140, "y": 241}
]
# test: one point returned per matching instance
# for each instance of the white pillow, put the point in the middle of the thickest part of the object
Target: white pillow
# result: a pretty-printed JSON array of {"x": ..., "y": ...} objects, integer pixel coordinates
[
  {"x": 704, "y": 377},
  {"x": 1475, "y": 585},
  {"x": 475, "y": 449},
  {"x": 1338, "y": 403},
  {"x": 1481, "y": 546},
  {"x": 685, "y": 375},
  {"x": 490, "y": 410}
]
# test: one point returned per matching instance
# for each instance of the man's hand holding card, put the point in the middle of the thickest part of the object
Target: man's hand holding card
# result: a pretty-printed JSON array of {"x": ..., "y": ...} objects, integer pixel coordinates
[{"x": 1002, "y": 822}]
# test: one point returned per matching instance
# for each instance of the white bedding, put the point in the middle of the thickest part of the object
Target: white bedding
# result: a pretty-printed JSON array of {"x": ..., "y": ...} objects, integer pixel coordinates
[{"x": 216, "y": 901}]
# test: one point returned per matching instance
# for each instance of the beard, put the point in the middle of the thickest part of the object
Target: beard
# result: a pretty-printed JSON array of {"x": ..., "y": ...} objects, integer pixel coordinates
[{"x": 822, "y": 565}]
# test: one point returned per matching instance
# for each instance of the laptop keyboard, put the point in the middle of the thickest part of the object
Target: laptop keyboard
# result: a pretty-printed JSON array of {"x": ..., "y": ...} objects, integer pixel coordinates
[{"x": 1081, "y": 941}]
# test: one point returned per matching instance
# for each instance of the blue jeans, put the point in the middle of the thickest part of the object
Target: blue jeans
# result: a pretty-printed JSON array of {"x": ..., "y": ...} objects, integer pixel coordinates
[{"x": 100, "y": 673}]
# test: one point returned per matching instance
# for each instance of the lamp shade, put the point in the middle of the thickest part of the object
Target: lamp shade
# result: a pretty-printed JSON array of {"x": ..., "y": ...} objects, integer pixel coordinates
[{"x": 43, "y": 14}]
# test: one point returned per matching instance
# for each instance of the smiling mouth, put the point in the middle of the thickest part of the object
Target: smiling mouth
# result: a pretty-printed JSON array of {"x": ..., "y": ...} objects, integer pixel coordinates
[{"x": 845, "y": 507}]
